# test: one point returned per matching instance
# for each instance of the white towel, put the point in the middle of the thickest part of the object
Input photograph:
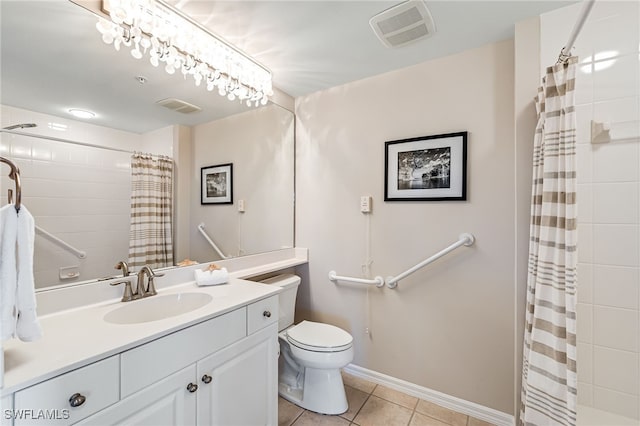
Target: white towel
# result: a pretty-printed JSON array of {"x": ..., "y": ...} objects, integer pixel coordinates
[
  {"x": 8, "y": 270},
  {"x": 18, "y": 303},
  {"x": 219, "y": 276}
]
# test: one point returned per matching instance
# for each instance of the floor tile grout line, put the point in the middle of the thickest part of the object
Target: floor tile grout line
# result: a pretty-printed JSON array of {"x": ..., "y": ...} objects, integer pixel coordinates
[
  {"x": 296, "y": 419},
  {"x": 362, "y": 406},
  {"x": 413, "y": 413},
  {"x": 398, "y": 404}
]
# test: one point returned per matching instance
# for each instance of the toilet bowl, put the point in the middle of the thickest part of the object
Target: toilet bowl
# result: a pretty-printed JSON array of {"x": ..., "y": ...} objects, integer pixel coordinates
[{"x": 311, "y": 356}]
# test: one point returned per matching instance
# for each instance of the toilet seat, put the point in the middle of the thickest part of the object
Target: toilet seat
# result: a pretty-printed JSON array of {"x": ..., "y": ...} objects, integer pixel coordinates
[{"x": 319, "y": 337}]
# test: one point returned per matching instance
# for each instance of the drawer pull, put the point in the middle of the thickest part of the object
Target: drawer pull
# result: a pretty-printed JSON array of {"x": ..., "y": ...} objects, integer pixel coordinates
[
  {"x": 192, "y": 387},
  {"x": 266, "y": 314},
  {"x": 77, "y": 400},
  {"x": 207, "y": 379}
]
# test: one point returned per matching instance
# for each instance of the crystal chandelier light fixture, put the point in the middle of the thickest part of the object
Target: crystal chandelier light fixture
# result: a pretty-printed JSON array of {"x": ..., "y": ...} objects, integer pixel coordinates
[{"x": 180, "y": 45}]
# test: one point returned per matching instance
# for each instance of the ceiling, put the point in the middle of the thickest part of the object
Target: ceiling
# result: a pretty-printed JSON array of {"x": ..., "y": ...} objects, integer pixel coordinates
[{"x": 52, "y": 58}]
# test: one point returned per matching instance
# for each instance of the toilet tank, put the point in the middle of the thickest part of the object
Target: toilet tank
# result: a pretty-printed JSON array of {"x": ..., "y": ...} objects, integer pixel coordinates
[{"x": 287, "y": 298}]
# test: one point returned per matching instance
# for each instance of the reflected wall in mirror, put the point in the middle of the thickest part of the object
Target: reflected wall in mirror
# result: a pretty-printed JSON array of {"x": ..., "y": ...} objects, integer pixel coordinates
[
  {"x": 259, "y": 144},
  {"x": 78, "y": 193},
  {"x": 81, "y": 194}
]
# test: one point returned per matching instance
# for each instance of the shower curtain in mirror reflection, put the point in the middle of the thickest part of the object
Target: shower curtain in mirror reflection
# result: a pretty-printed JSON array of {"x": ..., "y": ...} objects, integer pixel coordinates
[
  {"x": 549, "y": 379},
  {"x": 150, "y": 236}
]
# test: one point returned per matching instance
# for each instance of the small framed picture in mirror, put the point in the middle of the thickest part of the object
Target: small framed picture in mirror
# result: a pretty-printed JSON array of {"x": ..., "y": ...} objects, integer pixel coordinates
[{"x": 216, "y": 184}]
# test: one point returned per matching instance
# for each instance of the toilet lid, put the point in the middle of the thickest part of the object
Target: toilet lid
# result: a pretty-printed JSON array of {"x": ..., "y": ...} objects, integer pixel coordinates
[{"x": 319, "y": 337}]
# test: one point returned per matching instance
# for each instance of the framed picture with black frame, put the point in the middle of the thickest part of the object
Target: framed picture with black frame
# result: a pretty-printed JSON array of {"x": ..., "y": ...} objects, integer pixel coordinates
[
  {"x": 427, "y": 168},
  {"x": 216, "y": 184}
]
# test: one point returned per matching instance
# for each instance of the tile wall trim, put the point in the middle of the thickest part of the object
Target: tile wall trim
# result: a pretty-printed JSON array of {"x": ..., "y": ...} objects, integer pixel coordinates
[{"x": 460, "y": 405}]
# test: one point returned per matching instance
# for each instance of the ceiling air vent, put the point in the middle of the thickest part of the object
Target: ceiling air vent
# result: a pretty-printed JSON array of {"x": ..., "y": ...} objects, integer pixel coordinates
[
  {"x": 403, "y": 24},
  {"x": 179, "y": 106}
]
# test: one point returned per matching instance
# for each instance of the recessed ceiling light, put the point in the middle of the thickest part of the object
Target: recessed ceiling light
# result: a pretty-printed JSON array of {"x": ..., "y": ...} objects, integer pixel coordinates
[{"x": 80, "y": 113}]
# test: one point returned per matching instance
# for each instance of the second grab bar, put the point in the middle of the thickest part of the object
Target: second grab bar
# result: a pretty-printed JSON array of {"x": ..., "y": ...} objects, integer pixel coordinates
[
  {"x": 463, "y": 240},
  {"x": 80, "y": 254},
  {"x": 377, "y": 281},
  {"x": 210, "y": 241}
]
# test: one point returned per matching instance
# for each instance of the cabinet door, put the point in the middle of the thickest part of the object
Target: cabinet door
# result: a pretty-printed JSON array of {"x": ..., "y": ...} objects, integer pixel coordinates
[
  {"x": 242, "y": 386},
  {"x": 166, "y": 402}
]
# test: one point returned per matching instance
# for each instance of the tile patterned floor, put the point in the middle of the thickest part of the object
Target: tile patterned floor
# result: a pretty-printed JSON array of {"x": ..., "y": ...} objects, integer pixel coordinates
[{"x": 376, "y": 405}]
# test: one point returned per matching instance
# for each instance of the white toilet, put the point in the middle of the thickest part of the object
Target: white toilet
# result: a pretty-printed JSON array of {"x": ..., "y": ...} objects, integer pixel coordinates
[{"x": 311, "y": 356}]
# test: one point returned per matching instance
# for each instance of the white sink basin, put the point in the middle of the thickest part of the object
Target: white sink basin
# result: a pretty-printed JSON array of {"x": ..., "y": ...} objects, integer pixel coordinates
[{"x": 157, "y": 307}]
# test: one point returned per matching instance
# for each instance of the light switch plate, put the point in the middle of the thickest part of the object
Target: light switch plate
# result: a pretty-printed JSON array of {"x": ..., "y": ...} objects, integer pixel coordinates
[{"x": 365, "y": 204}]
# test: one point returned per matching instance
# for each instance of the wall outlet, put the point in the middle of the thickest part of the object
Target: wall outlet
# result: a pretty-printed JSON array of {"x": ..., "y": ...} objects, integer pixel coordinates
[
  {"x": 241, "y": 206},
  {"x": 365, "y": 204}
]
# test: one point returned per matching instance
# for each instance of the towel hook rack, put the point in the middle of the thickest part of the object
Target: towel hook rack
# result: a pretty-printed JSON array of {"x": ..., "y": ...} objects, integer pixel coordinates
[{"x": 14, "y": 175}]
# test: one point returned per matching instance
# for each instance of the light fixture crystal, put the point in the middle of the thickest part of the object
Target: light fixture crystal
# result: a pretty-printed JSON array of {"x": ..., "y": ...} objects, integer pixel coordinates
[{"x": 170, "y": 38}]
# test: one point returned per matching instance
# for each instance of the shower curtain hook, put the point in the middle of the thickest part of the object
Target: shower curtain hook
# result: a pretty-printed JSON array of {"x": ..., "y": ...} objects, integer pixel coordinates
[{"x": 563, "y": 57}]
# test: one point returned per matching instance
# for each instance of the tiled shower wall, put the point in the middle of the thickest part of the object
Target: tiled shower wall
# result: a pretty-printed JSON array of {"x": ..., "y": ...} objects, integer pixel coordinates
[
  {"x": 79, "y": 194},
  {"x": 607, "y": 90}
]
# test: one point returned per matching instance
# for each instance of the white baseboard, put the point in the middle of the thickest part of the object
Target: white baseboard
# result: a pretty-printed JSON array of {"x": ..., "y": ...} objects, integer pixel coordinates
[{"x": 451, "y": 402}]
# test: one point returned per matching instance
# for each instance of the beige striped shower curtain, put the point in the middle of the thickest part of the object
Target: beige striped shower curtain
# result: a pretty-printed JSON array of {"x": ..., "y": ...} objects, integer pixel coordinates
[
  {"x": 549, "y": 379},
  {"x": 150, "y": 235}
]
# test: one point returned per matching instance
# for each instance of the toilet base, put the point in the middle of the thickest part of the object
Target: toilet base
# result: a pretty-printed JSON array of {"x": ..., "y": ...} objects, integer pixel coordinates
[{"x": 322, "y": 392}]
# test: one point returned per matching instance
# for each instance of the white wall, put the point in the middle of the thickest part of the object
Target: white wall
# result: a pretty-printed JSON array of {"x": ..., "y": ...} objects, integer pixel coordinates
[
  {"x": 449, "y": 327},
  {"x": 78, "y": 193},
  {"x": 608, "y": 197}
]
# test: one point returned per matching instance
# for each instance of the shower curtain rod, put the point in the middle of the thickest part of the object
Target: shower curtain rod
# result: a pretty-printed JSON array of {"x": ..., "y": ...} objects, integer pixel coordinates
[
  {"x": 565, "y": 52},
  {"x": 51, "y": 138}
]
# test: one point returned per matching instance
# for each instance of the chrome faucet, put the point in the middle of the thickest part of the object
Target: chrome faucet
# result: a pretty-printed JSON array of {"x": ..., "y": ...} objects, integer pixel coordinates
[
  {"x": 140, "y": 291},
  {"x": 125, "y": 268},
  {"x": 151, "y": 289},
  {"x": 128, "y": 293}
]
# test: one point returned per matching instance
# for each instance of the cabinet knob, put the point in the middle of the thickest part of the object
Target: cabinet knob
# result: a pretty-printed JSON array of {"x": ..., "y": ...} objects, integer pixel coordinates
[
  {"x": 77, "y": 400},
  {"x": 192, "y": 387},
  {"x": 207, "y": 379},
  {"x": 266, "y": 314}
]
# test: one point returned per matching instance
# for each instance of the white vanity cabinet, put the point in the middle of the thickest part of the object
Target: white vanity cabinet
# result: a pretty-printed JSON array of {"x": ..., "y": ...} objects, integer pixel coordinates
[
  {"x": 222, "y": 371},
  {"x": 145, "y": 364},
  {"x": 239, "y": 384},
  {"x": 166, "y": 402}
]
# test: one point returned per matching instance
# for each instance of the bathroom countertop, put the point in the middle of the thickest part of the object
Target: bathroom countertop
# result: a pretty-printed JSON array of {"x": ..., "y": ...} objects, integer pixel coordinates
[{"x": 81, "y": 336}]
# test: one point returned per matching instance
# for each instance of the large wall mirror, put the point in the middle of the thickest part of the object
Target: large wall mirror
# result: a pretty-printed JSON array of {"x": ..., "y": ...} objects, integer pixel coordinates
[{"x": 52, "y": 60}]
